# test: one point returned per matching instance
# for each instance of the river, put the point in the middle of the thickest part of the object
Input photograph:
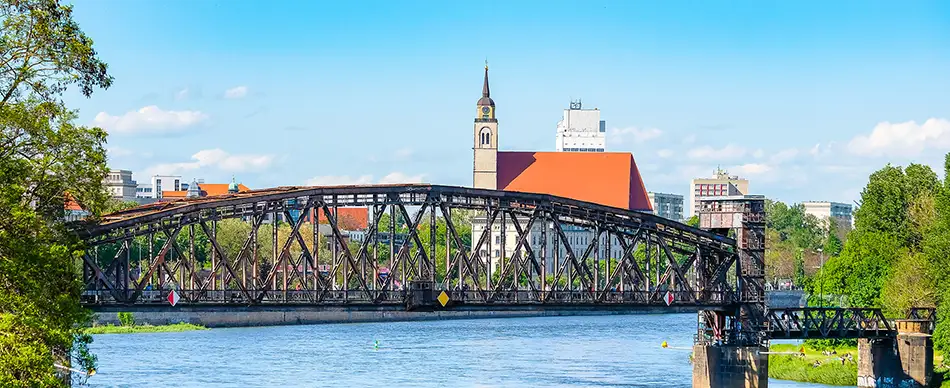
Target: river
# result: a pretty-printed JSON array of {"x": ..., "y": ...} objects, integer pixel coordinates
[{"x": 602, "y": 351}]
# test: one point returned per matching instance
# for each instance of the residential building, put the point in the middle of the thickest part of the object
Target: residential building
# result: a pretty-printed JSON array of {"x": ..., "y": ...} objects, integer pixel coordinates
[
  {"x": 605, "y": 178},
  {"x": 200, "y": 189},
  {"x": 120, "y": 185},
  {"x": 667, "y": 205},
  {"x": 162, "y": 183},
  {"x": 145, "y": 190},
  {"x": 825, "y": 211},
  {"x": 581, "y": 130},
  {"x": 73, "y": 212},
  {"x": 719, "y": 185},
  {"x": 347, "y": 218}
]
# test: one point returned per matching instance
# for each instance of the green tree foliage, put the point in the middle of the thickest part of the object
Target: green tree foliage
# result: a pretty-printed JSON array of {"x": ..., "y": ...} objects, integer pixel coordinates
[
  {"x": 44, "y": 157},
  {"x": 860, "y": 271},
  {"x": 116, "y": 205},
  {"x": 897, "y": 256},
  {"x": 693, "y": 221}
]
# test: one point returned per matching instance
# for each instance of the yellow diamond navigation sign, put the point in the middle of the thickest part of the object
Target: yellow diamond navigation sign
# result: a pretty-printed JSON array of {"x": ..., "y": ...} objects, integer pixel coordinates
[{"x": 443, "y": 298}]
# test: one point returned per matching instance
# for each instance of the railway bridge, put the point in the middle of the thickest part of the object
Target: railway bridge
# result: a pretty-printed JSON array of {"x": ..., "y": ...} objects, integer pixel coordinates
[{"x": 146, "y": 260}]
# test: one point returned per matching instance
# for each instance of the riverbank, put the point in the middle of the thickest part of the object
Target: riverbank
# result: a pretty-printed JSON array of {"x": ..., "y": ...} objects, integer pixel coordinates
[
  {"x": 112, "y": 329},
  {"x": 814, "y": 367}
]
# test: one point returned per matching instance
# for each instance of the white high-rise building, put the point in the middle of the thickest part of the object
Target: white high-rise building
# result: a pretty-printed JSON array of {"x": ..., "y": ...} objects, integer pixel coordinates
[
  {"x": 581, "y": 130},
  {"x": 158, "y": 184}
]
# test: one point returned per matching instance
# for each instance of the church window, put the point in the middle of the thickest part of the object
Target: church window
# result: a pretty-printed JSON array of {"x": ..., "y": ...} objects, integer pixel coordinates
[{"x": 485, "y": 136}]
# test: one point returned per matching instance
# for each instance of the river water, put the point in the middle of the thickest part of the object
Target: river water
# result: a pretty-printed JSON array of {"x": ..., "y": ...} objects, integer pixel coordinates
[{"x": 599, "y": 351}]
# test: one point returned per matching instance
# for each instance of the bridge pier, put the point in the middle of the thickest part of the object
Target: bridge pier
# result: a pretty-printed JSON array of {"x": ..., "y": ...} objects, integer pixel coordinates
[
  {"x": 904, "y": 361},
  {"x": 725, "y": 366}
]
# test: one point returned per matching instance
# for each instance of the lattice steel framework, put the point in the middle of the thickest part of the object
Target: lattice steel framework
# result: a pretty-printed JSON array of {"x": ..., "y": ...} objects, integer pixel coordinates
[
  {"x": 802, "y": 323},
  {"x": 689, "y": 264},
  {"x": 744, "y": 216}
]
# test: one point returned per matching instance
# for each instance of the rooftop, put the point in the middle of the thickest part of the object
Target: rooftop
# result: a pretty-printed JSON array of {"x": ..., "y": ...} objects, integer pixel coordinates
[{"x": 605, "y": 178}]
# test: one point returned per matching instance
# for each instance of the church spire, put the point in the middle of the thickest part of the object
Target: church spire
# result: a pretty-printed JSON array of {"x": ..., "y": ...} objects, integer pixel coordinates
[
  {"x": 485, "y": 92},
  {"x": 486, "y": 100}
]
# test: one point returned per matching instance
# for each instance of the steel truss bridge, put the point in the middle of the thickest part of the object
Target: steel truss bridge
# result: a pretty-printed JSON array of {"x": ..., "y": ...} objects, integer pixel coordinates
[{"x": 659, "y": 264}]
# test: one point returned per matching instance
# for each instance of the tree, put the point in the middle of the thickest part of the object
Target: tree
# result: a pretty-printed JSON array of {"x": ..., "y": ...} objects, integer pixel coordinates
[
  {"x": 117, "y": 205},
  {"x": 44, "y": 157},
  {"x": 910, "y": 284},
  {"x": 693, "y": 221}
]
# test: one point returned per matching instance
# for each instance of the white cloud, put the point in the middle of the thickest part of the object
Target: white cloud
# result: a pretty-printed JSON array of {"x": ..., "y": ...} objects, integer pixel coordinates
[
  {"x": 391, "y": 178},
  {"x": 150, "y": 119},
  {"x": 216, "y": 159},
  {"x": 236, "y": 92},
  {"x": 638, "y": 135},
  {"x": 182, "y": 94},
  {"x": 751, "y": 169},
  {"x": 758, "y": 153},
  {"x": 339, "y": 180},
  {"x": 398, "y": 177},
  {"x": 689, "y": 139},
  {"x": 118, "y": 152},
  {"x": 706, "y": 152},
  {"x": 902, "y": 139},
  {"x": 783, "y": 155},
  {"x": 664, "y": 153}
]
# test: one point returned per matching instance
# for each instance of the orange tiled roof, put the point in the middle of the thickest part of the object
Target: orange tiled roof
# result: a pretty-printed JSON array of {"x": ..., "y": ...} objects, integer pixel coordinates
[
  {"x": 207, "y": 189},
  {"x": 606, "y": 178},
  {"x": 71, "y": 203},
  {"x": 351, "y": 218}
]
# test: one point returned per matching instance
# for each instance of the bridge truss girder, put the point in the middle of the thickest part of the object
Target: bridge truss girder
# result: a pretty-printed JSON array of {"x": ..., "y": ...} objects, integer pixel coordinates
[{"x": 691, "y": 264}]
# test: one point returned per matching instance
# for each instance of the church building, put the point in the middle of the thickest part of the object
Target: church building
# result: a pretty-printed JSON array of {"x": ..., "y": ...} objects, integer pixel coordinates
[{"x": 606, "y": 178}]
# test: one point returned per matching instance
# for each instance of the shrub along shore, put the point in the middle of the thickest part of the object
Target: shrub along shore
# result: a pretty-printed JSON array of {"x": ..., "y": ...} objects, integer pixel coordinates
[{"x": 112, "y": 329}]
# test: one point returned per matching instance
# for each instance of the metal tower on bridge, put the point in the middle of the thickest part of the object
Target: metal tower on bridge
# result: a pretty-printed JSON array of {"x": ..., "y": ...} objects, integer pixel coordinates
[{"x": 743, "y": 216}]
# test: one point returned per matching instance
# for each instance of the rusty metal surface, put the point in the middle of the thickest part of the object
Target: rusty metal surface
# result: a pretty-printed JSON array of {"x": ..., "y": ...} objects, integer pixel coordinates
[{"x": 681, "y": 266}]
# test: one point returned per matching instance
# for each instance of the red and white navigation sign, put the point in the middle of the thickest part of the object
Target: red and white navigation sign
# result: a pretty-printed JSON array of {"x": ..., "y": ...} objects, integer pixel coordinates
[
  {"x": 173, "y": 298},
  {"x": 669, "y": 298}
]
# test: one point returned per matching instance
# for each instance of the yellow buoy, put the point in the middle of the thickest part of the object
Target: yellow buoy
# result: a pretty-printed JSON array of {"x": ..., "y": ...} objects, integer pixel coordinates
[{"x": 664, "y": 344}]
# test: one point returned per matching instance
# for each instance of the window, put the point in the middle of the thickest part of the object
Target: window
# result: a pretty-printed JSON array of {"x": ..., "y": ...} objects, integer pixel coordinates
[{"x": 484, "y": 137}]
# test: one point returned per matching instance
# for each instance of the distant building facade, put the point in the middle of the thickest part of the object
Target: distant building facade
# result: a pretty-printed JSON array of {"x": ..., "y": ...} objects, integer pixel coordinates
[
  {"x": 668, "y": 206},
  {"x": 160, "y": 184},
  {"x": 826, "y": 210},
  {"x": 581, "y": 130},
  {"x": 120, "y": 185},
  {"x": 719, "y": 185}
]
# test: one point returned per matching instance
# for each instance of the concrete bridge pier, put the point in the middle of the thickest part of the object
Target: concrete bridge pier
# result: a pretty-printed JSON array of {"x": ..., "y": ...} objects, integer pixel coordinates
[
  {"x": 904, "y": 361},
  {"x": 727, "y": 366}
]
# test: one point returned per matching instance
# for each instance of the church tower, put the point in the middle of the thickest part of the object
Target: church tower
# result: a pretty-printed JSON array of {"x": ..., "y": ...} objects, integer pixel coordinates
[{"x": 486, "y": 141}]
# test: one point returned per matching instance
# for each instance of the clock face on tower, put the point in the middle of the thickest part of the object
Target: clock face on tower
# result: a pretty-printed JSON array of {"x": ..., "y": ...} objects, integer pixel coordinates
[{"x": 485, "y": 110}]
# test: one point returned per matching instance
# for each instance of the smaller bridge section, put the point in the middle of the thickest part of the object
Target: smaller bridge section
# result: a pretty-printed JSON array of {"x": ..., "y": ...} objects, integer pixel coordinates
[{"x": 819, "y": 322}]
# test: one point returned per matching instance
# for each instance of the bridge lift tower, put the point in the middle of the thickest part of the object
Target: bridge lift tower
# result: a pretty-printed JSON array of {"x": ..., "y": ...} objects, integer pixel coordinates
[{"x": 729, "y": 343}]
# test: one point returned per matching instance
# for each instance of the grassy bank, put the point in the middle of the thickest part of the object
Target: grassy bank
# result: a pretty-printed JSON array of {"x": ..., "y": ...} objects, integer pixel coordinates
[
  {"x": 830, "y": 371},
  {"x": 110, "y": 329}
]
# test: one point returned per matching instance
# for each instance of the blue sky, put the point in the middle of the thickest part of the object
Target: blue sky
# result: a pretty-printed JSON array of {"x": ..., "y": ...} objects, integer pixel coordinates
[{"x": 803, "y": 98}]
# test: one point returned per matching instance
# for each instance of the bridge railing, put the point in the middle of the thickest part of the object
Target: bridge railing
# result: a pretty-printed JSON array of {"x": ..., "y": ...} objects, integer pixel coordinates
[
  {"x": 383, "y": 297},
  {"x": 814, "y": 322}
]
